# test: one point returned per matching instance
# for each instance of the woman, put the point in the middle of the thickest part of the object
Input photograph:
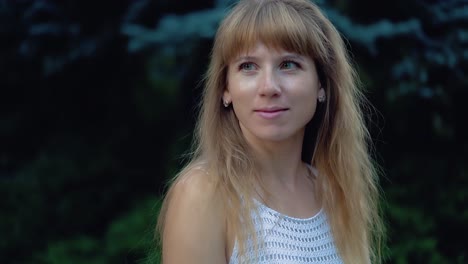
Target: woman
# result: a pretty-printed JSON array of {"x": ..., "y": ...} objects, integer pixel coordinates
[{"x": 281, "y": 172}]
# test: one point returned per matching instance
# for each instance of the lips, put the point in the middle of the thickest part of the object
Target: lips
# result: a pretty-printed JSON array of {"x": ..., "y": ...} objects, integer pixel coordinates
[
  {"x": 271, "y": 112},
  {"x": 271, "y": 109}
]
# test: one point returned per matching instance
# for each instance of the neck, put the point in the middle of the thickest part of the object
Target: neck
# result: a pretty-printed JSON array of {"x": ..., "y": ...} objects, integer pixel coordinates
[{"x": 280, "y": 161}]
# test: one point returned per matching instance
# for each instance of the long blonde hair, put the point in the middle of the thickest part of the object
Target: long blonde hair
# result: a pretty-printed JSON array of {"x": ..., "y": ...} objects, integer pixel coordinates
[{"x": 336, "y": 141}]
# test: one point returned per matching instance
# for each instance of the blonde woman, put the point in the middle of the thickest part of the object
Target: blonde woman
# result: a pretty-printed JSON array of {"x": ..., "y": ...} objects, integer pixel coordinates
[{"x": 281, "y": 172}]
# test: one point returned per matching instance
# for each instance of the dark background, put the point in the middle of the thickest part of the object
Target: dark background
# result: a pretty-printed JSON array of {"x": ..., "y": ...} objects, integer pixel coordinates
[{"x": 97, "y": 104}]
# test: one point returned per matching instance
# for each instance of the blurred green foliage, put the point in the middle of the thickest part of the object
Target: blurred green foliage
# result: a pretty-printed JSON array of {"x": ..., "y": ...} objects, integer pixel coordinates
[
  {"x": 97, "y": 105},
  {"x": 129, "y": 237}
]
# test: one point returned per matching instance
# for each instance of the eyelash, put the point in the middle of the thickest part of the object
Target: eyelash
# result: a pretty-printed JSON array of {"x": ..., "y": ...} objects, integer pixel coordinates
[
  {"x": 296, "y": 64},
  {"x": 242, "y": 65}
]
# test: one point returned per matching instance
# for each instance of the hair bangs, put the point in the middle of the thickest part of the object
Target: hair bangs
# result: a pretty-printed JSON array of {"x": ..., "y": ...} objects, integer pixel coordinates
[{"x": 275, "y": 24}]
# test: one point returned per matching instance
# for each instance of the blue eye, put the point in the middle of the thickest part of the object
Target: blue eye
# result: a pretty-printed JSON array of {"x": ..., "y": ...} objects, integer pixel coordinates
[
  {"x": 247, "y": 66},
  {"x": 289, "y": 65}
]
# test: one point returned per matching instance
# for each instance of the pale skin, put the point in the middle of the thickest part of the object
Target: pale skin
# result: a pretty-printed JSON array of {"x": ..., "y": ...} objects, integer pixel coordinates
[{"x": 274, "y": 95}]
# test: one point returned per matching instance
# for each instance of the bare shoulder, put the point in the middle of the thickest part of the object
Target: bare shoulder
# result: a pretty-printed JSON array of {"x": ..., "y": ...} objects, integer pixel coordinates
[
  {"x": 195, "y": 225},
  {"x": 196, "y": 188}
]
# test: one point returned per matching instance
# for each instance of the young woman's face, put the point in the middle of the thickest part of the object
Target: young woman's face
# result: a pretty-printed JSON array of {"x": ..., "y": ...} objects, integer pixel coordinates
[{"x": 273, "y": 92}]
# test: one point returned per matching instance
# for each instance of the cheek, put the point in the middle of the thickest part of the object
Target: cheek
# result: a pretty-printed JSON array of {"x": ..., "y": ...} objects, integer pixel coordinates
[
  {"x": 241, "y": 91},
  {"x": 305, "y": 91},
  {"x": 306, "y": 99},
  {"x": 239, "y": 98},
  {"x": 241, "y": 106}
]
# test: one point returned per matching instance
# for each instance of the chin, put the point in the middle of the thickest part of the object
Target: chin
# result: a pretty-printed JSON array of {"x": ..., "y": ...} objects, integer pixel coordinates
[
  {"x": 272, "y": 133},
  {"x": 274, "y": 136}
]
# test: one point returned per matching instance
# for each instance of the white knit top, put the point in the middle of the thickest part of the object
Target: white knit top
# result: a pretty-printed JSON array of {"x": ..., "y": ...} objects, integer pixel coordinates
[{"x": 288, "y": 240}]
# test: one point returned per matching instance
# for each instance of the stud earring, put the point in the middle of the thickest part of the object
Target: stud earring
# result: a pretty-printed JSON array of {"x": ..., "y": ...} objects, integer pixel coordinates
[
  {"x": 226, "y": 103},
  {"x": 321, "y": 95}
]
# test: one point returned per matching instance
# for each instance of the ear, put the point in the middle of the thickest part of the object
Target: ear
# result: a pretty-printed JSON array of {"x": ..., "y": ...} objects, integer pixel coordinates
[{"x": 227, "y": 96}]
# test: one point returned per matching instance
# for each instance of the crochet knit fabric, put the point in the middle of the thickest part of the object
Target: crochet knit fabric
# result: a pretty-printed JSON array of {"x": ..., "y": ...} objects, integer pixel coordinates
[{"x": 288, "y": 240}]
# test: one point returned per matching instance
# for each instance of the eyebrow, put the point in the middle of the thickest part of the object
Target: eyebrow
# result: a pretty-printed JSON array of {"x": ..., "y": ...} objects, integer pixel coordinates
[
  {"x": 244, "y": 58},
  {"x": 293, "y": 56},
  {"x": 286, "y": 56}
]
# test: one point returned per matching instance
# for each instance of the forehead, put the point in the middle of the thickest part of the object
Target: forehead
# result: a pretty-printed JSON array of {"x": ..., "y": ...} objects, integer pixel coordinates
[
  {"x": 276, "y": 25},
  {"x": 262, "y": 50}
]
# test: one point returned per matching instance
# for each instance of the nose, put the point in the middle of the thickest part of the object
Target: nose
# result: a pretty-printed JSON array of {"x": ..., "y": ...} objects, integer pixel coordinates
[{"x": 269, "y": 85}]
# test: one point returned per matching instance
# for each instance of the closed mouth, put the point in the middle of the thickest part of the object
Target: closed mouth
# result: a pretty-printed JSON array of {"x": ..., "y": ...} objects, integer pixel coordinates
[{"x": 271, "y": 110}]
